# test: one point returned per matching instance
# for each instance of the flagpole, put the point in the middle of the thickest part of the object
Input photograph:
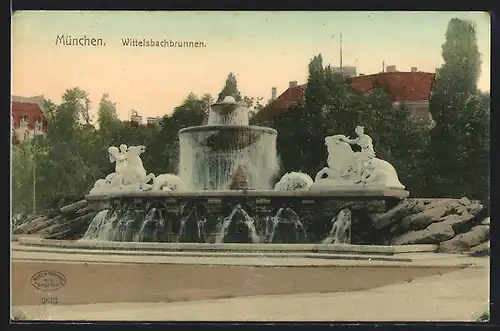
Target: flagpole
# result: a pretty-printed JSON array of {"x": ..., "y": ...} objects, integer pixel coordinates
[{"x": 341, "y": 67}]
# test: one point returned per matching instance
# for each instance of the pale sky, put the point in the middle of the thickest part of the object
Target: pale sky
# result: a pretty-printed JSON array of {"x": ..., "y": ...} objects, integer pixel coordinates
[{"x": 263, "y": 50}]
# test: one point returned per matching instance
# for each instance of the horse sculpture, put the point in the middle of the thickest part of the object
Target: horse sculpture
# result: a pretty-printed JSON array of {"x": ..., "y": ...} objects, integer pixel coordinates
[
  {"x": 134, "y": 173},
  {"x": 349, "y": 168},
  {"x": 113, "y": 181}
]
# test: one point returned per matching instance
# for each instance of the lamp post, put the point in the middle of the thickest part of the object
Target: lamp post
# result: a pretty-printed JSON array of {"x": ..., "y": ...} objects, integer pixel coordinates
[{"x": 34, "y": 171}]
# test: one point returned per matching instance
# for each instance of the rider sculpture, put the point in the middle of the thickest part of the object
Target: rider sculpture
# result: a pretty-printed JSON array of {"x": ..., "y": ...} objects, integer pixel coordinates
[
  {"x": 349, "y": 168},
  {"x": 130, "y": 175}
]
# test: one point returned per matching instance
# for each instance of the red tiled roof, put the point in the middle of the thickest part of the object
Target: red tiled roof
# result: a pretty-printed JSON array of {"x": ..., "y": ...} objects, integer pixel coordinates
[
  {"x": 290, "y": 97},
  {"x": 27, "y": 108},
  {"x": 401, "y": 86}
]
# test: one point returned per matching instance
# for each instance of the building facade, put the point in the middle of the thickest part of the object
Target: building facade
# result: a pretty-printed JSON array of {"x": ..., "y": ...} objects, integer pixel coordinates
[{"x": 29, "y": 118}]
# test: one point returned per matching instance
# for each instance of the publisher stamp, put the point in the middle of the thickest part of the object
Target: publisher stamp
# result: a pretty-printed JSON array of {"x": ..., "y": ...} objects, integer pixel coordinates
[{"x": 48, "y": 280}]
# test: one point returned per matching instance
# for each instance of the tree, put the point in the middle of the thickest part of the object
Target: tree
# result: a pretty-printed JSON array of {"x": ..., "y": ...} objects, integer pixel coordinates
[
  {"x": 22, "y": 179},
  {"x": 454, "y": 104},
  {"x": 476, "y": 148},
  {"x": 106, "y": 114},
  {"x": 230, "y": 89},
  {"x": 66, "y": 171}
]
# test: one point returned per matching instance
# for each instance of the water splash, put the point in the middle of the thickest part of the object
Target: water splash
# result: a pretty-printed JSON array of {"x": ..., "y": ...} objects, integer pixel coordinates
[
  {"x": 126, "y": 223},
  {"x": 186, "y": 232},
  {"x": 287, "y": 216},
  {"x": 96, "y": 225},
  {"x": 150, "y": 228},
  {"x": 341, "y": 228},
  {"x": 246, "y": 220}
]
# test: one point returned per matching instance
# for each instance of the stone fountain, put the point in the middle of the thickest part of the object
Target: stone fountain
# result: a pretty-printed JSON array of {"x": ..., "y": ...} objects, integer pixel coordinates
[{"x": 225, "y": 190}]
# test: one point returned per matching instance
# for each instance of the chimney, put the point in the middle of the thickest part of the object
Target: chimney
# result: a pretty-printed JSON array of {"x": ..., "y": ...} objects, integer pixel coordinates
[
  {"x": 391, "y": 69},
  {"x": 414, "y": 69},
  {"x": 273, "y": 93},
  {"x": 292, "y": 83}
]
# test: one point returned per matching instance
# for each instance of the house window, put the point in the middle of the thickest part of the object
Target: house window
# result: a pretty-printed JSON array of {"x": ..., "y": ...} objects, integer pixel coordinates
[
  {"x": 24, "y": 121},
  {"x": 38, "y": 124}
]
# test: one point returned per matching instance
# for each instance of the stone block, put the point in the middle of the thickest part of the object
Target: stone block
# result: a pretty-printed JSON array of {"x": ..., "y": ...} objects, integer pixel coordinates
[
  {"x": 464, "y": 241},
  {"x": 433, "y": 234},
  {"x": 423, "y": 219}
]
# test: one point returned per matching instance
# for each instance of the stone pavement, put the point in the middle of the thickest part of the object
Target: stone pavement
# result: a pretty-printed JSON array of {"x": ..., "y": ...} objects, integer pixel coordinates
[{"x": 457, "y": 296}]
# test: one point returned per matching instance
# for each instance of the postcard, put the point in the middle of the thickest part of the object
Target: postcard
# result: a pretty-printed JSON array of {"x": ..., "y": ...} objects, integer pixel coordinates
[{"x": 250, "y": 166}]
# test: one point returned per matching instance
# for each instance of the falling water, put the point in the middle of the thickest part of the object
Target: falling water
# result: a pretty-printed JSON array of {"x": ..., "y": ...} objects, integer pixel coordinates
[
  {"x": 287, "y": 216},
  {"x": 239, "y": 116},
  {"x": 341, "y": 228},
  {"x": 126, "y": 224},
  {"x": 248, "y": 221},
  {"x": 203, "y": 166},
  {"x": 185, "y": 232},
  {"x": 97, "y": 225},
  {"x": 149, "y": 230}
]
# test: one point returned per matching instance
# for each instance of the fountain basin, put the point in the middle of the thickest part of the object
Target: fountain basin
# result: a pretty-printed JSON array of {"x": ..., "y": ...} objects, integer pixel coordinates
[{"x": 234, "y": 216}]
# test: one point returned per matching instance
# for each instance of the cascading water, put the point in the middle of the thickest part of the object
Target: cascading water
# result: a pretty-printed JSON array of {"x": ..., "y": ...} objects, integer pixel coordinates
[
  {"x": 125, "y": 223},
  {"x": 98, "y": 225},
  {"x": 286, "y": 223},
  {"x": 240, "y": 220},
  {"x": 192, "y": 225},
  {"x": 209, "y": 154},
  {"x": 340, "y": 232}
]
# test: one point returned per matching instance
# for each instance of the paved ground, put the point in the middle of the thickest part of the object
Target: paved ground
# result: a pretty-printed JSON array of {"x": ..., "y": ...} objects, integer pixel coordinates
[
  {"x": 405, "y": 287},
  {"x": 457, "y": 296}
]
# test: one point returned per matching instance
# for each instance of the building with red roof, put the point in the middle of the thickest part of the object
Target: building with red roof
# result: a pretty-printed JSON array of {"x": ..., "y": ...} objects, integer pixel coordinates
[
  {"x": 29, "y": 118},
  {"x": 411, "y": 89}
]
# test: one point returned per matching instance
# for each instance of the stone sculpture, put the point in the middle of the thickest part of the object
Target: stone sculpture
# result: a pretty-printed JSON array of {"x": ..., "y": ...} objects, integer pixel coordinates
[
  {"x": 134, "y": 174},
  {"x": 129, "y": 174},
  {"x": 294, "y": 181},
  {"x": 168, "y": 182},
  {"x": 238, "y": 179},
  {"x": 347, "y": 168}
]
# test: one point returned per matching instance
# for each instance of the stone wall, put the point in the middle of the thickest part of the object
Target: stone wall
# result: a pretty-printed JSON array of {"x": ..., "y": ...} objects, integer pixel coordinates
[{"x": 455, "y": 225}]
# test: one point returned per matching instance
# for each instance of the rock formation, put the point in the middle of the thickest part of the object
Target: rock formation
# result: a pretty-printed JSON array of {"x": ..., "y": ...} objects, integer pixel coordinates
[
  {"x": 69, "y": 222},
  {"x": 455, "y": 225}
]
